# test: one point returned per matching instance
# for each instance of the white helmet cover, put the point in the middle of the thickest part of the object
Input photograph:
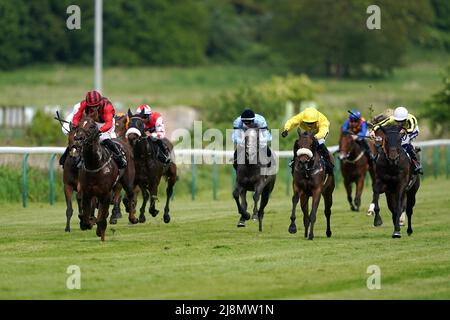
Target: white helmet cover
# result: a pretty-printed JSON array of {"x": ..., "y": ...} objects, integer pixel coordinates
[{"x": 400, "y": 114}]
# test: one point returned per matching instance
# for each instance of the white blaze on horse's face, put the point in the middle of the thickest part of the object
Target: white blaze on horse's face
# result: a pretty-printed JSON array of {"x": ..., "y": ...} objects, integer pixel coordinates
[{"x": 84, "y": 124}]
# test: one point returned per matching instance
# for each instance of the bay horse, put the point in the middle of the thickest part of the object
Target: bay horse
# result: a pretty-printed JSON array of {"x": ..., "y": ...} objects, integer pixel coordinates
[
  {"x": 149, "y": 169},
  {"x": 99, "y": 174},
  {"x": 121, "y": 125},
  {"x": 310, "y": 180},
  {"x": 395, "y": 177},
  {"x": 70, "y": 178},
  {"x": 354, "y": 166},
  {"x": 252, "y": 176}
]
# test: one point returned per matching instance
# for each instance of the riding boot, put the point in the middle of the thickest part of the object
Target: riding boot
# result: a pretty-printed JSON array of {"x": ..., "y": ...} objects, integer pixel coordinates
[
  {"x": 323, "y": 151},
  {"x": 164, "y": 151},
  {"x": 235, "y": 160},
  {"x": 417, "y": 166},
  {"x": 118, "y": 154},
  {"x": 63, "y": 158}
]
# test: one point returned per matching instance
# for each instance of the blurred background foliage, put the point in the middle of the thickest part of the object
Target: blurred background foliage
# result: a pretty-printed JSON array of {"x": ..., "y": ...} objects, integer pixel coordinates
[
  {"x": 324, "y": 37},
  {"x": 221, "y": 56}
]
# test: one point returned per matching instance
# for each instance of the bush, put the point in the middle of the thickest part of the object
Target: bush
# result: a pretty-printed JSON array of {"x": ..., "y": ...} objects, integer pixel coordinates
[
  {"x": 268, "y": 98},
  {"x": 438, "y": 108},
  {"x": 45, "y": 131}
]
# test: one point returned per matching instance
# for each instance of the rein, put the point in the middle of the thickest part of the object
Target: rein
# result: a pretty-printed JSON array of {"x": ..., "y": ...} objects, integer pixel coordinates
[
  {"x": 98, "y": 169},
  {"x": 354, "y": 160}
]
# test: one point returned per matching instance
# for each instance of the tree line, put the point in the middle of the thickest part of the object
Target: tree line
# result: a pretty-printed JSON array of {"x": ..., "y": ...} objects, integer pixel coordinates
[{"x": 320, "y": 37}]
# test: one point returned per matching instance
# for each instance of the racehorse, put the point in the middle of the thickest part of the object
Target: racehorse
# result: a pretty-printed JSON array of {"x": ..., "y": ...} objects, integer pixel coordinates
[
  {"x": 251, "y": 176},
  {"x": 70, "y": 178},
  {"x": 121, "y": 125},
  {"x": 149, "y": 169},
  {"x": 99, "y": 174},
  {"x": 354, "y": 166},
  {"x": 395, "y": 177},
  {"x": 310, "y": 180}
]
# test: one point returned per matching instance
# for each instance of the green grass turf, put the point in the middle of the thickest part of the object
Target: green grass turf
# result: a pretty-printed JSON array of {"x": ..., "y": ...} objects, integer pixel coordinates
[{"x": 201, "y": 254}]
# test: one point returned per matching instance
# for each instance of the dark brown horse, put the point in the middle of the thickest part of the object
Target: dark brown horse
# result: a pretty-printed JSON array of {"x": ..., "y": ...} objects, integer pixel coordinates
[
  {"x": 70, "y": 178},
  {"x": 149, "y": 169},
  {"x": 99, "y": 174},
  {"x": 395, "y": 177},
  {"x": 354, "y": 166},
  {"x": 251, "y": 175},
  {"x": 310, "y": 180}
]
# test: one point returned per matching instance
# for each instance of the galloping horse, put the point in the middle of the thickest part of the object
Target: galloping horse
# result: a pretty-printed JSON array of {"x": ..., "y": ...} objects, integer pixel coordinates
[
  {"x": 354, "y": 166},
  {"x": 70, "y": 178},
  {"x": 250, "y": 176},
  {"x": 149, "y": 169},
  {"x": 310, "y": 180},
  {"x": 99, "y": 174},
  {"x": 395, "y": 177}
]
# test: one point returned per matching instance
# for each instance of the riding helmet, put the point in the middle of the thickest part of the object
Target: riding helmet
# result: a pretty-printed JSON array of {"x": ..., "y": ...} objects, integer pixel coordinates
[
  {"x": 147, "y": 109},
  {"x": 93, "y": 98},
  {"x": 355, "y": 115},
  {"x": 310, "y": 115},
  {"x": 400, "y": 114},
  {"x": 248, "y": 115}
]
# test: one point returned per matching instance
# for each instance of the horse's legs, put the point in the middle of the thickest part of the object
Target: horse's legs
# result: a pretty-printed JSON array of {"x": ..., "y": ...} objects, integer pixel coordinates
[
  {"x": 292, "y": 227},
  {"x": 86, "y": 221},
  {"x": 116, "y": 201},
  {"x": 153, "y": 197},
  {"x": 131, "y": 196},
  {"x": 392, "y": 201},
  {"x": 264, "y": 200},
  {"x": 312, "y": 216},
  {"x": 69, "y": 211},
  {"x": 145, "y": 196},
  {"x": 328, "y": 199},
  {"x": 376, "y": 207},
  {"x": 102, "y": 216},
  {"x": 80, "y": 205},
  {"x": 256, "y": 196},
  {"x": 410, "y": 202},
  {"x": 169, "y": 192},
  {"x": 359, "y": 190},
  {"x": 348, "y": 189},
  {"x": 242, "y": 206}
]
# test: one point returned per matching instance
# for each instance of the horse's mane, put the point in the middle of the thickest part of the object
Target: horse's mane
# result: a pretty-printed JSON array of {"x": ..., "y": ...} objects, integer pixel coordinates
[{"x": 391, "y": 128}]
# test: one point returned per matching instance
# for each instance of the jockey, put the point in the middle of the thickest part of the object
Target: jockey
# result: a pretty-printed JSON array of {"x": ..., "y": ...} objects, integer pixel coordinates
[
  {"x": 154, "y": 128},
  {"x": 313, "y": 121},
  {"x": 95, "y": 102},
  {"x": 248, "y": 119},
  {"x": 356, "y": 124},
  {"x": 409, "y": 124}
]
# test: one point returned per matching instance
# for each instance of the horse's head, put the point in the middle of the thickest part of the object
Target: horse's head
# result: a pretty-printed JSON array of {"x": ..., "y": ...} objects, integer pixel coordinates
[
  {"x": 251, "y": 145},
  {"x": 93, "y": 112},
  {"x": 306, "y": 148},
  {"x": 73, "y": 150},
  {"x": 346, "y": 144},
  {"x": 86, "y": 133},
  {"x": 392, "y": 142},
  {"x": 135, "y": 127},
  {"x": 121, "y": 125}
]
